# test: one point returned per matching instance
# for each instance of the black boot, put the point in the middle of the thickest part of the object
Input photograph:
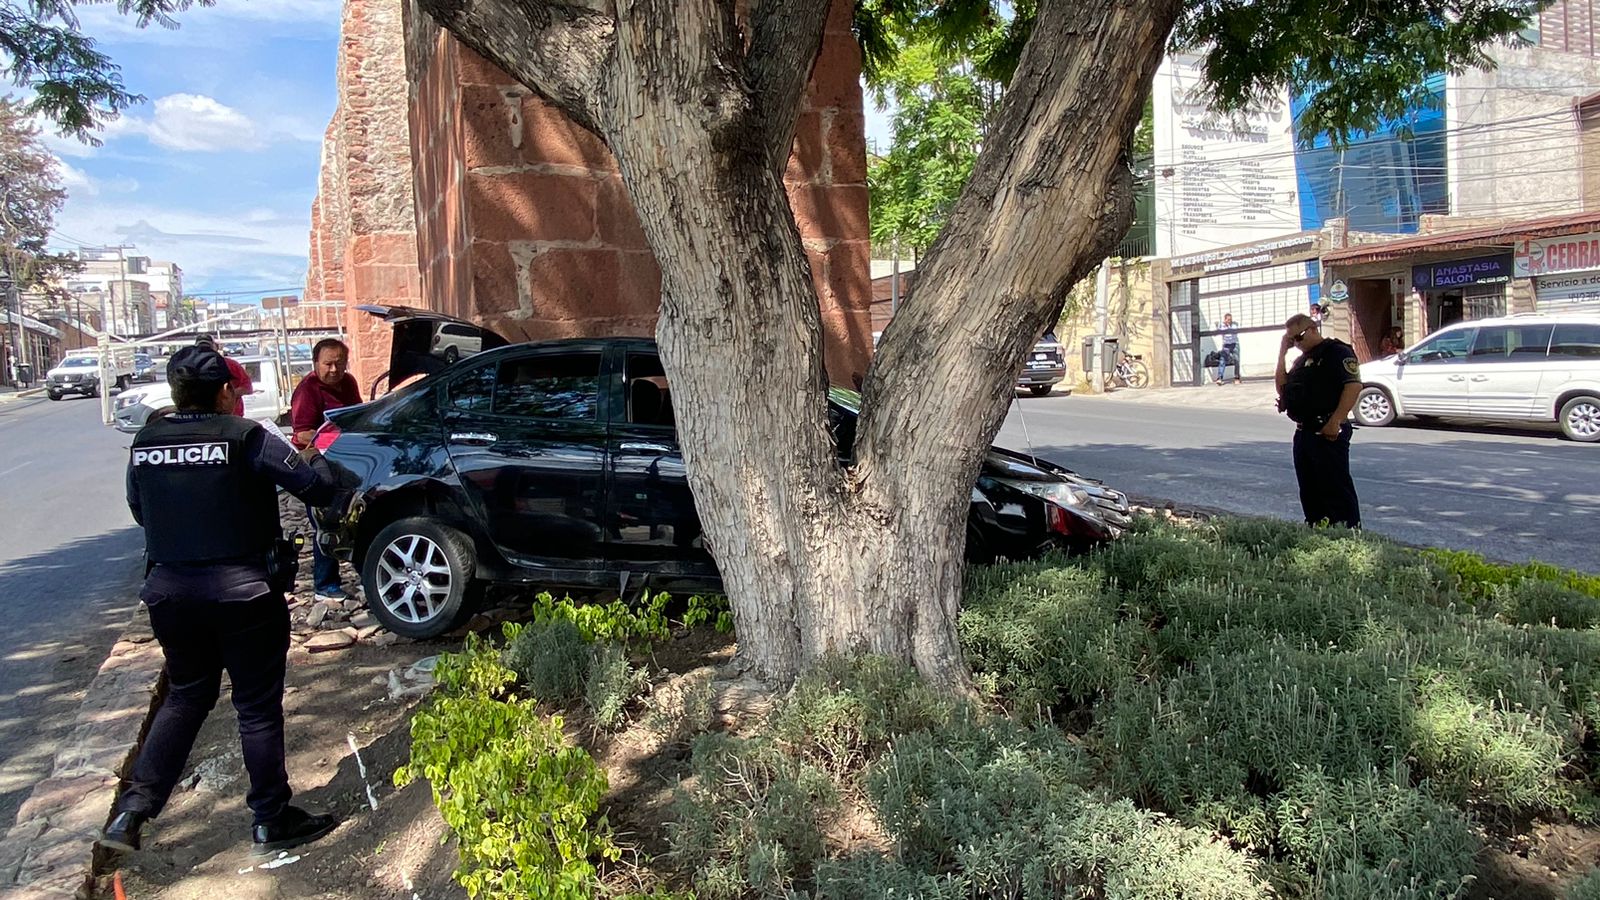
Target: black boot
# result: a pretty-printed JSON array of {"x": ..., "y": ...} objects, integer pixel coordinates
[
  {"x": 123, "y": 832},
  {"x": 293, "y": 827}
]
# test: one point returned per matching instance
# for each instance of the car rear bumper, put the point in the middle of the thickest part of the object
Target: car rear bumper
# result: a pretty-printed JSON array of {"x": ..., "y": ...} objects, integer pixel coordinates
[{"x": 1042, "y": 376}]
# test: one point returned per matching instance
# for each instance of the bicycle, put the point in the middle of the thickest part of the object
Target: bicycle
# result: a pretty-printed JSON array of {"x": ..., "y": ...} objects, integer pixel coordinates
[{"x": 1130, "y": 371}]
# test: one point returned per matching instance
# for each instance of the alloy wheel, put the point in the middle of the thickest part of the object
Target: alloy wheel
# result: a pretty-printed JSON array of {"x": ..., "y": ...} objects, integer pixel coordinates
[
  {"x": 1583, "y": 420},
  {"x": 414, "y": 578},
  {"x": 1373, "y": 407}
]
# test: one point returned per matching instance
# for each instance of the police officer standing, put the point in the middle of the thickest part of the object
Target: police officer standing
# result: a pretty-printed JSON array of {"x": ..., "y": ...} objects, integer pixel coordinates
[
  {"x": 203, "y": 484},
  {"x": 1318, "y": 393}
]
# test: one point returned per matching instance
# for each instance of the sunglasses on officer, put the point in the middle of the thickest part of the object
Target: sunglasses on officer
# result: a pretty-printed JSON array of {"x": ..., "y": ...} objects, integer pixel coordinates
[{"x": 1301, "y": 336}]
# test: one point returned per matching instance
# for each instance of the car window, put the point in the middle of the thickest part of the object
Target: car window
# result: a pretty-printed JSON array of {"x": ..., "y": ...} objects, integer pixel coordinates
[
  {"x": 1529, "y": 341},
  {"x": 1576, "y": 341},
  {"x": 473, "y": 391},
  {"x": 549, "y": 387},
  {"x": 1444, "y": 347},
  {"x": 648, "y": 394},
  {"x": 253, "y": 369}
]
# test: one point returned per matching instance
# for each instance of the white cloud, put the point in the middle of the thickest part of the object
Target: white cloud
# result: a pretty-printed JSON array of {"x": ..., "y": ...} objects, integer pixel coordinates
[
  {"x": 217, "y": 26},
  {"x": 194, "y": 122},
  {"x": 208, "y": 245},
  {"x": 81, "y": 184}
]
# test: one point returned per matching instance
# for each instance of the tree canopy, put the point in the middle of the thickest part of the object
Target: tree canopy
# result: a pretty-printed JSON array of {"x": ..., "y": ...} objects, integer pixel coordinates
[
  {"x": 30, "y": 196},
  {"x": 70, "y": 82}
]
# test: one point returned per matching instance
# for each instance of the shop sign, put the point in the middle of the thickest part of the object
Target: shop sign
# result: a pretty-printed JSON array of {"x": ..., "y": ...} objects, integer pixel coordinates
[
  {"x": 1583, "y": 287},
  {"x": 1552, "y": 256},
  {"x": 1339, "y": 292},
  {"x": 1461, "y": 272},
  {"x": 1247, "y": 257}
]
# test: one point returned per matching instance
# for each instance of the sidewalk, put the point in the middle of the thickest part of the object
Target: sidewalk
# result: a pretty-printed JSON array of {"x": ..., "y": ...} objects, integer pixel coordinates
[
  {"x": 1255, "y": 394},
  {"x": 10, "y": 393}
]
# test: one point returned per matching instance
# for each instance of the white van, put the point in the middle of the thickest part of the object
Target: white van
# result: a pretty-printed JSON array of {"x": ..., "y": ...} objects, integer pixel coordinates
[
  {"x": 265, "y": 404},
  {"x": 1539, "y": 368}
]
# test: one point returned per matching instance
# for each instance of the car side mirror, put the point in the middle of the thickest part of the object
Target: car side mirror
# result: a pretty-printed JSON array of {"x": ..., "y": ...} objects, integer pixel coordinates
[{"x": 1401, "y": 358}]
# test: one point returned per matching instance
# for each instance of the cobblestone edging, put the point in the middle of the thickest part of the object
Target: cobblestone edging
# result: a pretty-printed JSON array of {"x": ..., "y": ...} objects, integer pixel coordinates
[{"x": 50, "y": 852}]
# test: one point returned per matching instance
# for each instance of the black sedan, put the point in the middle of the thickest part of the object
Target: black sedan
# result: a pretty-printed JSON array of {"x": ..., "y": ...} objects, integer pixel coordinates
[{"x": 556, "y": 464}]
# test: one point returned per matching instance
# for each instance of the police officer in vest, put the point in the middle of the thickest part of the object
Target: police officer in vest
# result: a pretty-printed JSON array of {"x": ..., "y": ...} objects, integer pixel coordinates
[
  {"x": 1318, "y": 393},
  {"x": 203, "y": 484}
]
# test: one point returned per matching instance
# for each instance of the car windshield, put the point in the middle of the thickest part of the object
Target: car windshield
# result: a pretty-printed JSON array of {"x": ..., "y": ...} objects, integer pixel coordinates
[{"x": 78, "y": 362}]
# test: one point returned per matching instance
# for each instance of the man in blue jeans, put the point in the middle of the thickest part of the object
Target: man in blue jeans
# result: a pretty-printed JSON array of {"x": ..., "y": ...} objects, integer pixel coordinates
[
  {"x": 328, "y": 386},
  {"x": 1230, "y": 349}
]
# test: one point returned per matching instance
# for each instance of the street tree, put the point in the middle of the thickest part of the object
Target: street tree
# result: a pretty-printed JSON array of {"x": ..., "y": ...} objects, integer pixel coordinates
[
  {"x": 698, "y": 99},
  {"x": 699, "y": 106},
  {"x": 30, "y": 196}
]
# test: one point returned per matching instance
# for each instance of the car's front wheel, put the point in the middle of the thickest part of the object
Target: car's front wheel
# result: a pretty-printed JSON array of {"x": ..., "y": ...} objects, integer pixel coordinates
[
  {"x": 1580, "y": 419},
  {"x": 1374, "y": 408},
  {"x": 53, "y": 395},
  {"x": 1040, "y": 390},
  {"x": 417, "y": 576}
]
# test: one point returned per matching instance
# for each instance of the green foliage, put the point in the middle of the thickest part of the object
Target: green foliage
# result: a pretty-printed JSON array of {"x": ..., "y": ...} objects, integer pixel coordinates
[
  {"x": 551, "y": 657},
  {"x": 1585, "y": 888},
  {"x": 1480, "y": 579},
  {"x": 1376, "y": 833},
  {"x": 612, "y": 684},
  {"x": 614, "y": 621},
  {"x": 520, "y": 801},
  {"x": 713, "y": 609},
  {"x": 749, "y": 820}
]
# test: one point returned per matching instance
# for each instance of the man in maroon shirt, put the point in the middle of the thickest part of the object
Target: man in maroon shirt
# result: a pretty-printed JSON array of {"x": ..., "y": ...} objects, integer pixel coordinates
[{"x": 328, "y": 386}]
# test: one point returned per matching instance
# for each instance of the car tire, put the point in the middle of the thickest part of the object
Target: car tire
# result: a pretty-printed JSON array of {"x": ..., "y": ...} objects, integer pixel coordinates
[
  {"x": 53, "y": 395},
  {"x": 1580, "y": 419},
  {"x": 417, "y": 576},
  {"x": 451, "y": 355},
  {"x": 1374, "y": 407},
  {"x": 1040, "y": 390}
]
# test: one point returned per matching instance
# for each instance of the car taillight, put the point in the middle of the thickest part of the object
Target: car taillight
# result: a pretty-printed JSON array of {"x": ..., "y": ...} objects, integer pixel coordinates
[{"x": 325, "y": 437}]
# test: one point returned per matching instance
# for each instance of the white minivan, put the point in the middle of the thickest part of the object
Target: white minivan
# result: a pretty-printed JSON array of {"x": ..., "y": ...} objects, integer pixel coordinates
[{"x": 1541, "y": 368}]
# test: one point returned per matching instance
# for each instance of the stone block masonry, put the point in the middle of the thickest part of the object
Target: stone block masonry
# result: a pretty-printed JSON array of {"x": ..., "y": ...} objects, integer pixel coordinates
[{"x": 447, "y": 185}]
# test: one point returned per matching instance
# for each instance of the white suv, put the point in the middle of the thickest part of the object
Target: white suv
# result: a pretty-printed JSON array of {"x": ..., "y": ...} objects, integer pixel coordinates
[{"x": 1541, "y": 368}]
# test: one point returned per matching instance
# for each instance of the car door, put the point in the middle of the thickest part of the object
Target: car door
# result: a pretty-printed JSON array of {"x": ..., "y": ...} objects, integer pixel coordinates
[
  {"x": 1504, "y": 368},
  {"x": 1433, "y": 381},
  {"x": 262, "y": 402},
  {"x": 528, "y": 441},
  {"x": 652, "y": 524},
  {"x": 1574, "y": 362}
]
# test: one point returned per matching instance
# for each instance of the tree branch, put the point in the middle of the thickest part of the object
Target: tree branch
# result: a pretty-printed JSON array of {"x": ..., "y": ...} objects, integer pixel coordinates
[
  {"x": 556, "y": 49},
  {"x": 785, "y": 37},
  {"x": 1049, "y": 197}
]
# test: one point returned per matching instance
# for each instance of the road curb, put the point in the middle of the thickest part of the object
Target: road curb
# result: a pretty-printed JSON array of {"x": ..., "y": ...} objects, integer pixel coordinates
[{"x": 51, "y": 852}]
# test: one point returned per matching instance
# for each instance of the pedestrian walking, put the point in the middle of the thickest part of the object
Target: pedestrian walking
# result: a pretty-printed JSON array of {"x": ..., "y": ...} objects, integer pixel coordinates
[
  {"x": 328, "y": 386},
  {"x": 1318, "y": 392},
  {"x": 237, "y": 376},
  {"x": 203, "y": 485},
  {"x": 1230, "y": 349}
]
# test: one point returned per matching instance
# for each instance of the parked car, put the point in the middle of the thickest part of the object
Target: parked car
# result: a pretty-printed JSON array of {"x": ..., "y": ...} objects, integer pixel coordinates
[
  {"x": 73, "y": 375},
  {"x": 134, "y": 407},
  {"x": 558, "y": 464},
  {"x": 144, "y": 368},
  {"x": 1532, "y": 368},
  {"x": 1046, "y": 366}
]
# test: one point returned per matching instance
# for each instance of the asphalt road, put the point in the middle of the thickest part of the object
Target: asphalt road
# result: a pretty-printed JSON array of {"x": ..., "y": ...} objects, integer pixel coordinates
[
  {"x": 70, "y": 560},
  {"x": 1510, "y": 494}
]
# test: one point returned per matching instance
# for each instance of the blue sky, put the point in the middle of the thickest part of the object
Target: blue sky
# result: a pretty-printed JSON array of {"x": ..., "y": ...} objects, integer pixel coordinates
[{"x": 217, "y": 170}]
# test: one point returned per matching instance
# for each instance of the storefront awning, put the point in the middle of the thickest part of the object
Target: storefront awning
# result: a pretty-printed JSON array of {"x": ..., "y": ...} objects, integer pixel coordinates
[{"x": 1502, "y": 236}]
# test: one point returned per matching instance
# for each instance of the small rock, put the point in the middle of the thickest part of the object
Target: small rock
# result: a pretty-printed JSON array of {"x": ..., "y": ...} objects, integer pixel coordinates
[
  {"x": 140, "y": 638},
  {"x": 367, "y": 632},
  {"x": 479, "y": 622},
  {"x": 385, "y": 639},
  {"x": 353, "y": 633},
  {"x": 363, "y": 619},
  {"x": 351, "y": 604},
  {"x": 316, "y": 616},
  {"x": 330, "y": 640}
]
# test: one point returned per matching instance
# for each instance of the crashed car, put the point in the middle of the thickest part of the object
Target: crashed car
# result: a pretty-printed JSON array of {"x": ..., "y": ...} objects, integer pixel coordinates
[{"x": 557, "y": 464}]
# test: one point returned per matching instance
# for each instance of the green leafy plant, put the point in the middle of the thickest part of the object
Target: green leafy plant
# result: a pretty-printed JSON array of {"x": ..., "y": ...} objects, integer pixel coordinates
[
  {"x": 1585, "y": 888},
  {"x": 713, "y": 609},
  {"x": 614, "y": 621},
  {"x": 520, "y": 800},
  {"x": 551, "y": 657},
  {"x": 612, "y": 684}
]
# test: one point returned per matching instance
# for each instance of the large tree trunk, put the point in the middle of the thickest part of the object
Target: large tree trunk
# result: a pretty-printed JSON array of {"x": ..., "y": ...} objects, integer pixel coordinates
[{"x": 817, "y": 558}]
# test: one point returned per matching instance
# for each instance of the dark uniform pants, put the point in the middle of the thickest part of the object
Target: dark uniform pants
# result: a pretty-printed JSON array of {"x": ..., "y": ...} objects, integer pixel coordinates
[
  {"x": 1327, "y": 493},
  {"x": 207, "y": 624}
]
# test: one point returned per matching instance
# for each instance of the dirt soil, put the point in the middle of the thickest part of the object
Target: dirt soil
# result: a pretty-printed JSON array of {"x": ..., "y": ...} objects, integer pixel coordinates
[{"x": 199, "y": 849}]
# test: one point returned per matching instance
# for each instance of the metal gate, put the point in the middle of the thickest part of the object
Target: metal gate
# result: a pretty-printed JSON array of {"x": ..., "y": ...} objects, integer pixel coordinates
[{"x": 1184, "y": 328}]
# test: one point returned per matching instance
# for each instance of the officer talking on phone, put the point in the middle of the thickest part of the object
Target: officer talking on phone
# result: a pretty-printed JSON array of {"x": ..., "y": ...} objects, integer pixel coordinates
[
  {"x": 1318, "y": 392},
  {"x": 203, "y": 484}
]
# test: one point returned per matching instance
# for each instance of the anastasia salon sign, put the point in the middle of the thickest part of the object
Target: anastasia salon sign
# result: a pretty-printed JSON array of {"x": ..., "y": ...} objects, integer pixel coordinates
[{"x": 1462, "y": 272}]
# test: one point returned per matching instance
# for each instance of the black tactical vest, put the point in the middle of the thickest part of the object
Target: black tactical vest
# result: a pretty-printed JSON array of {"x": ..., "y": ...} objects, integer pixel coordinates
[
  {"x": 1312, "y": 389},
  {"x": 198, "y": 497}
]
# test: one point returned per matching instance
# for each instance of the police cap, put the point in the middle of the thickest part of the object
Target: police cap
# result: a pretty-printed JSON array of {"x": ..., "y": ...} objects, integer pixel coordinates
[{"x": 201, "y": 364}]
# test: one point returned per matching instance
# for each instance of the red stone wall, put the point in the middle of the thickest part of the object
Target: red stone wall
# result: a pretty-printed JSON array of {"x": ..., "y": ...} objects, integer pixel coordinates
[{"x": 523, "y": 223}]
